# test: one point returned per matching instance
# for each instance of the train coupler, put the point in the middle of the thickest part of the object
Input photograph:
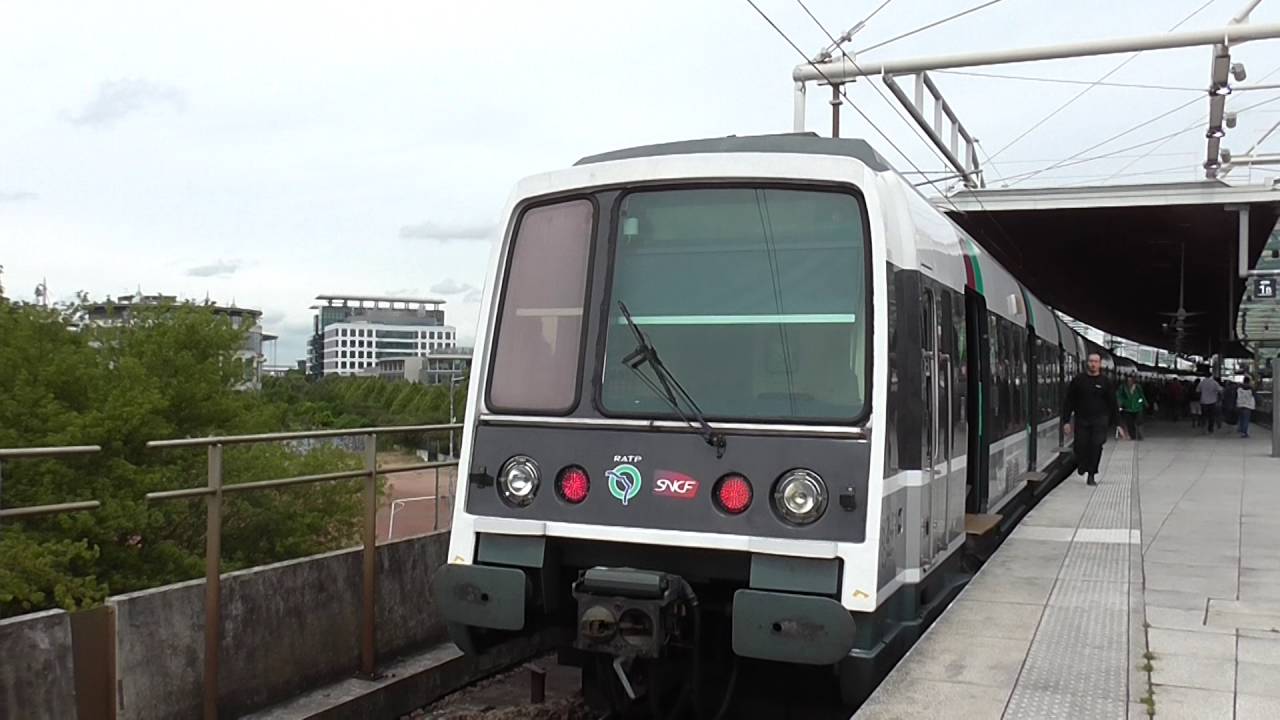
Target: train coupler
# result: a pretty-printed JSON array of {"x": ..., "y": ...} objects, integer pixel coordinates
[{"x": 628, "y": 613}]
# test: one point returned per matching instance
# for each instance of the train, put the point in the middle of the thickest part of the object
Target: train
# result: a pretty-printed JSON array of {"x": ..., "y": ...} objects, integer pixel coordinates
[{"x": 741, "y": 398}]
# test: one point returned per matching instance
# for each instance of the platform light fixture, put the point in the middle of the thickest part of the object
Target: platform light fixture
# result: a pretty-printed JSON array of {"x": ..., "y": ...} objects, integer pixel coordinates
[
  {"x": 1238, "y": 72},
  {"x": 1225, "y": 155},
  {"x": 1230, "y": 118}
]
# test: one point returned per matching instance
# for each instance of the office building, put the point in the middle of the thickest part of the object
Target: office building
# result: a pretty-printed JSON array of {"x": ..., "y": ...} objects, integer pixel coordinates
[
  {"x": 434, "y": 368},
  {"x": 352, "y": 333}
]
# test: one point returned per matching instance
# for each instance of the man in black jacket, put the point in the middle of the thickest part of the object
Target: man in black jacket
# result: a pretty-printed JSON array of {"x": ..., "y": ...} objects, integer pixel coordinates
[{"x": 1091, "y": 399}]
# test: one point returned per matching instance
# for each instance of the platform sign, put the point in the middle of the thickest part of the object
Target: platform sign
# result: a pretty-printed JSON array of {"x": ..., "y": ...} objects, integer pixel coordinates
[{"x": 1264, "y": 288}]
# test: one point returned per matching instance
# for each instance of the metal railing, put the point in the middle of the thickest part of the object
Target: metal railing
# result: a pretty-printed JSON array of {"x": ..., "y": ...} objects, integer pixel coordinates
[
  {"x": 215, "y": 488},
  {"x": 44, "y": 452}
]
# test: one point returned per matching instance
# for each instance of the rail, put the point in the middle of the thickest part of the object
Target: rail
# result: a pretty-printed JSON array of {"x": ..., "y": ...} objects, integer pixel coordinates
[
  {"x": 7, "y": 454},
  {"x": 215, "y": 488}
]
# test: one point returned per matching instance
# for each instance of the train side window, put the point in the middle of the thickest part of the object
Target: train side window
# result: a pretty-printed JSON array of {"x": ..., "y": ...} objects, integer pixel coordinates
[{"x": 539, "y": 336}]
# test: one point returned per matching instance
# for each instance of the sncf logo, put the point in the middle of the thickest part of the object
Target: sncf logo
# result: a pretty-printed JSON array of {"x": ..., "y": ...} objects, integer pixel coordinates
[{"x": 670, "y": 483}]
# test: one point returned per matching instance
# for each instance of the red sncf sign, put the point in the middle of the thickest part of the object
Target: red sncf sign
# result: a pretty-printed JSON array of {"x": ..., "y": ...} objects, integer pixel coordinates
[{"x": 674, "y": 484}]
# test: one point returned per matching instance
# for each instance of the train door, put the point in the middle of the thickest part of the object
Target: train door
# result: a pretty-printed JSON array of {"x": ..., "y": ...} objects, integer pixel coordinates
[
  {"x": 1031, "y": 398},
  {"x": 936, "y": 374},
  {"x": 978, "y": 371},
  {"x": 1061, "y": 395}
]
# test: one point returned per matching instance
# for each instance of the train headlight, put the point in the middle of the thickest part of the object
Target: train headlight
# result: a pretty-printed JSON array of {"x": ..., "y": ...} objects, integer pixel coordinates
[
  {"x": 518, "y": 481},
  {"x": 800, "y": 497}
]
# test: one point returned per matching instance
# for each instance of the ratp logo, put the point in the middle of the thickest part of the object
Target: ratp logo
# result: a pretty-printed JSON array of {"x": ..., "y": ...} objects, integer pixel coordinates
[{"x": 624, "y": 482}]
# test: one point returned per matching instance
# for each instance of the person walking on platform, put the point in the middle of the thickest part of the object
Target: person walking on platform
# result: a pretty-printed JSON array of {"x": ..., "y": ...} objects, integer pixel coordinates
[
  {"x": 1133, "y": 404},
  {"x": 1245, "y": 403},
  {"x": 1210, "y": 393},
  {"x": 1089, "y": 412}
]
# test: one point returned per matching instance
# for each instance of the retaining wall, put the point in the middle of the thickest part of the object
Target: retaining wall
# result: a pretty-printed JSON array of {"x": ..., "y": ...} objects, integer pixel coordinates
[{"x": 286, "y": 627}]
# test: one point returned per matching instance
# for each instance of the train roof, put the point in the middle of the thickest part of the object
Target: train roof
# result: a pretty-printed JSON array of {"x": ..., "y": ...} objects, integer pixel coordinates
[{"x": 793, "y": 143}]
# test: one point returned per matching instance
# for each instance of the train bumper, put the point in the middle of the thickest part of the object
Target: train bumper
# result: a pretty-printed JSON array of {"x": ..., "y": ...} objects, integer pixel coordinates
[
  {"x": 786, "y": 627},
  {"x": 481, "y": 596}
]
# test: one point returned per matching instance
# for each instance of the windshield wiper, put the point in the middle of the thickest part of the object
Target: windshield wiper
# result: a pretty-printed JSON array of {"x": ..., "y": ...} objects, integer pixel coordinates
[{"x": 667, "y": 386}]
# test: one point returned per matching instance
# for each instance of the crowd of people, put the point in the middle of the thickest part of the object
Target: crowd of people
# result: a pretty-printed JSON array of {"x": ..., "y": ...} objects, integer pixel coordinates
[
  {"x": 1209, "y": 402},
  {"x": 1093, "y": 405}
]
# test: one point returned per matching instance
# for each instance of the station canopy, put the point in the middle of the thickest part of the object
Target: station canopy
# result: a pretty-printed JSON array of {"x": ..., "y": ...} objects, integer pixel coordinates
[{"x": 1112, "y": 256}]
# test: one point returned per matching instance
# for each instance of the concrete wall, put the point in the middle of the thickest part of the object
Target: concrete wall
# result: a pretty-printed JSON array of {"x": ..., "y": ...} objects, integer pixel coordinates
[
  {"x": 37, "y": 675},
  {"x": 286, "y": 628}
]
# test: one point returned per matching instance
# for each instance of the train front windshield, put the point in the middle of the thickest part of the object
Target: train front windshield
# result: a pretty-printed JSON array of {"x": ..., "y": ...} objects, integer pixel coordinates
[{"x": 755, "y": 298}]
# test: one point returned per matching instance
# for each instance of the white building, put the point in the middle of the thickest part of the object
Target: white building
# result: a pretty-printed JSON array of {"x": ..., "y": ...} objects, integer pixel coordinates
[
  {"x": 354, "y": 333},
  {"x": 434, "y": 368},
  {"x": 251, "y": 353}
]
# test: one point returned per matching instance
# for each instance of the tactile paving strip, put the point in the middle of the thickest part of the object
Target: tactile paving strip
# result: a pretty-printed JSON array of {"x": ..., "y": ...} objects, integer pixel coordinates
[
  {"x": 1109, "y": 507},
  {"x": 1077, "y": 666},
  {"x": 1090, "y": 594},
  {"x": 1078, "y": 651},
  {"x": 1096, "y": 561},
  {"x": 1052, "y": 706}
]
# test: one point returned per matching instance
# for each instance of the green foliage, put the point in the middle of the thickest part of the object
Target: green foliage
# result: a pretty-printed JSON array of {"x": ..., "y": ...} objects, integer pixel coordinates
[
  {"x": 169, "y": 372},
  {"x": 352, "y": 402}
]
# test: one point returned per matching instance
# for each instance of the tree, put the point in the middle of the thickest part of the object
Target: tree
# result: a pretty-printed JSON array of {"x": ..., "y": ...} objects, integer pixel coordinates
[{"x": 170, "y": 371}]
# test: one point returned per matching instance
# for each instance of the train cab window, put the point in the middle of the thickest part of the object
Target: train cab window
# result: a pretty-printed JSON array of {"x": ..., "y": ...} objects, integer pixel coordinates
[
  {"x": 755, "y": 298},
  {"x": 539, "y": 334}
]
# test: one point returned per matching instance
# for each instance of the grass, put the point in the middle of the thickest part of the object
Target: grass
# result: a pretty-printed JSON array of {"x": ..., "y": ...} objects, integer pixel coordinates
[{"x": 1150, "y": 701}]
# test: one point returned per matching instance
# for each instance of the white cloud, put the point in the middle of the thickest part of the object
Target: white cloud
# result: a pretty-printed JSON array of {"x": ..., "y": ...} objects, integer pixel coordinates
[
  {"x": 451, "y": 286},
  {"x": 429, "y": 230},
  {"x": 14, "y": 196},
  {"x": 119, "y": 98},
  {"x": 221, "y": 268}
]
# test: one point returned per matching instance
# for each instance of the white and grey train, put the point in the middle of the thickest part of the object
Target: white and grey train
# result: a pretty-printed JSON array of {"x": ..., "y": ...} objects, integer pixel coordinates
[{"x": 754, "y": 384}]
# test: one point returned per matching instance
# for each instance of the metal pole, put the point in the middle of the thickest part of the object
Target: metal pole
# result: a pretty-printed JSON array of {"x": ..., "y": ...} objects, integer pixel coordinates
[
  {"x": 452, "y": 419},
  {"x": 1245, "y": 11},
  {"x": 1243, "y": 241},
  {"x": 841, "y": 69},
  {"x": 797, "y": 111},
  {"x": 212, "y": 582},
  {"x": 369, "y": 556},
  {"x": 435, "y": 506},
  {"x": 1275, "y": 410},
  {"x": 835, "y": 111}
]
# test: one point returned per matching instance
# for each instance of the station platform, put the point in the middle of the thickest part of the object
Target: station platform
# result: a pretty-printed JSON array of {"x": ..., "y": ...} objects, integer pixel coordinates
[{"x": 1155, "y": 594}]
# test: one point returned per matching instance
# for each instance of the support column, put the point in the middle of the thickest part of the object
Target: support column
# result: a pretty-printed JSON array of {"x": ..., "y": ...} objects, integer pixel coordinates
[
  {"x": 1275, "y": 408},
  {"x": 797, "y": 112},
  {"x": 835, "y": 111}
]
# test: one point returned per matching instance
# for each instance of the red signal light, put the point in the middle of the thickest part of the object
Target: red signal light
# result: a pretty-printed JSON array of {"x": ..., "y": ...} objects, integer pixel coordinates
[
  {"x": 733, "y": 493},
  {"x": 573, "y": 484}
]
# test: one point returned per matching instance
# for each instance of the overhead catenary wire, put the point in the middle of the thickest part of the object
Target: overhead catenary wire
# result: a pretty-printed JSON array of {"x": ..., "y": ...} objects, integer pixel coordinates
[
  {"x": 933, "y": 24},
  {"x": 1117, "y": 136},
  {"x": 1069, "y": 162},
  {"x": 868, "y": 120},
  {"x": 1184, "y": 168},
  {"x": 1140, "y": 158},
  {"x": 837, "y": 43},
  {"x": 1091, "y": 86},
  {"x": 892, "y": 104},
  {"x": 1014, "y": 246},
  {"x": 1066, "y": 81}
]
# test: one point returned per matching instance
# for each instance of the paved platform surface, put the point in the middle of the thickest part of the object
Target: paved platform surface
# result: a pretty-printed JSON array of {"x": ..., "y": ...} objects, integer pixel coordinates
[{"x": 1158, "y": 589}]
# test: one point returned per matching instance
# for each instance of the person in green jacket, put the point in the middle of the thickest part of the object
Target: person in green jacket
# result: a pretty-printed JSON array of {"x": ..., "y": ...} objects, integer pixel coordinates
[{"x": 1133, "y": 403}]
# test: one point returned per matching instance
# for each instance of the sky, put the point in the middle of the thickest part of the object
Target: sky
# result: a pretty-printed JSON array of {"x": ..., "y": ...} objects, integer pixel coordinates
[{"x": 265, "y": 153}]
